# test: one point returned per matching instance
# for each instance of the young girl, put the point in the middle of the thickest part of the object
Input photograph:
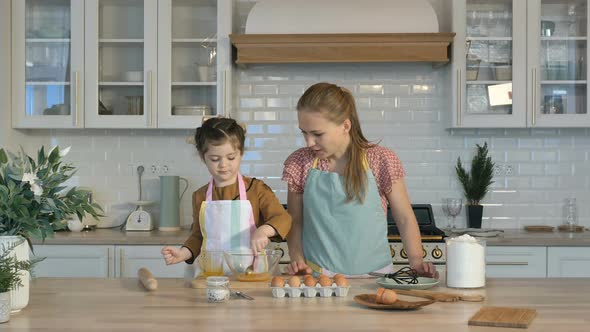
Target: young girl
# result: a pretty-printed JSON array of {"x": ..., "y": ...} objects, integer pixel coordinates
[
  {"x": 233, "y": 211},
  {"x": 345, "y": 183}
]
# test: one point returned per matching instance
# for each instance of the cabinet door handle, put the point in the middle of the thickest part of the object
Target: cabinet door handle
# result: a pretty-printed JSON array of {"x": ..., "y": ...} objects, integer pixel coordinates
[
  {"x": 108, "y": 262},
  {"x": 121, "y": 256},
  {"x": 534, "y": 96},
  {"x": 76, "y": 103},
  {"x": 150, "y": 98},
  {"x": 226, "y": 94},
  {"x": 459, "y": 102},
  {"x": 508, "y": 263}
]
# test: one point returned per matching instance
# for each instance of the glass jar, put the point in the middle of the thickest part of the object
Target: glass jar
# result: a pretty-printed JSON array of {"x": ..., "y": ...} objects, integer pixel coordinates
[
  {"x": 217, "y": 289},
  {"x": 570, "y": 212},
  {"x": 466, "y": 262}
]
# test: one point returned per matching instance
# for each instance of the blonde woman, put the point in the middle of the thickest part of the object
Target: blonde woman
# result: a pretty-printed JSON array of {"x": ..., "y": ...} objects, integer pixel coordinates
[{"x": 339, "y": 188}]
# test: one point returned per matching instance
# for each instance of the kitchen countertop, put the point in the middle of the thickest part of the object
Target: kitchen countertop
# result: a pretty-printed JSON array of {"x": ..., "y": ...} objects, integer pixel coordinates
[
  {"x": 510, "y": 237},
  {"x": 123, "y": 305}
]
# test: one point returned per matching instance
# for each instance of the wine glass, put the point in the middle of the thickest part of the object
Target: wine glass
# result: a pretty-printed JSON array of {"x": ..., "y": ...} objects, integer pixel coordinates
[
  {"x": 445, "y": 210},
  {"x": 453, "y": 208}
]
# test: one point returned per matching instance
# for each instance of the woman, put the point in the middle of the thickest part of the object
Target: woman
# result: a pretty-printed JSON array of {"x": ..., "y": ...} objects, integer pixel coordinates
[{"x": 339, "y": 187}]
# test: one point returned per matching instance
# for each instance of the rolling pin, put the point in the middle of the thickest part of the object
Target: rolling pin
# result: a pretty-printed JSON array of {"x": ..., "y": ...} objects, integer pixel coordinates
[{"x": 147, "y": 279}]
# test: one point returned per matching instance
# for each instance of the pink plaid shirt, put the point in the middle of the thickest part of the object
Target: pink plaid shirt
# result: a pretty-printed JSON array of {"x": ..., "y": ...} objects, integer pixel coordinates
[{"x": 384, "y": 163}]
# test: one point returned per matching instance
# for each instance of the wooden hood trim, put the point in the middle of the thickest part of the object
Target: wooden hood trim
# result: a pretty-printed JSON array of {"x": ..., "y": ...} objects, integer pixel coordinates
[{"x": 359, "y": 47}]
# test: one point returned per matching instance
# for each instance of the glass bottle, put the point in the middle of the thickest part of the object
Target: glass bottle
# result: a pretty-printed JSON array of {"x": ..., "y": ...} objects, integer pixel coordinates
[{"x": 570, "y": 212}]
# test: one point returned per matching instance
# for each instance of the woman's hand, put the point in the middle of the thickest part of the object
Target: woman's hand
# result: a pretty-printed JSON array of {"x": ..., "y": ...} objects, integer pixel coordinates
[
  {"x": 425, "y": 269},
  {"x": 259, "y": 239},
  {"x": 173, "y": 255},
  {"x": 298, "y": 267}
]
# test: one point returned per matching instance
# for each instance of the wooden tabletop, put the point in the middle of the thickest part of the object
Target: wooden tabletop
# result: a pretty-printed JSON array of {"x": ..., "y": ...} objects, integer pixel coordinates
[{"x": 123, "y": 305}]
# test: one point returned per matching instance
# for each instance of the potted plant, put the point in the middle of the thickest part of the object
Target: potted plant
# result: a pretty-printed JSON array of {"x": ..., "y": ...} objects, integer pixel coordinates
[
  {"x": 476, "y": 183},
  {"x": 10, "y": 276},
  {"x": 35, "y": 201}
]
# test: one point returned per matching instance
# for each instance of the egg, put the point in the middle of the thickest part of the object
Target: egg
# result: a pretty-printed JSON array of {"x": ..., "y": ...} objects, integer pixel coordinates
[
  {"x": 385, "y": 296},
  {"x": 324, "y": 281},
  {"x": 309, "y": 281},
  {"x": 294, "y": 281},
  {"x": 338, "y": 276},
  {"x": 277, "y": 282},
  {"x": 341, "y": 282}
]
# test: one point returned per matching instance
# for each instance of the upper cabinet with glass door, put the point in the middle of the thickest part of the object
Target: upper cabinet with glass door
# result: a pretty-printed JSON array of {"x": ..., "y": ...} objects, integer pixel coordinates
[
  {"x": 188, "y": 87},
  {"x": 489, "y": 63},
  {"x": 121, "y": 63},
  {"x": 48, "y": 63},
  {"x": 557, "y": 63}
]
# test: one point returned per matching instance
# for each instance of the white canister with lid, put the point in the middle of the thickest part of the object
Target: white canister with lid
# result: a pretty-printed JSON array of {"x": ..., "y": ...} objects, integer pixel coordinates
[{"x": 466, "y": 262}]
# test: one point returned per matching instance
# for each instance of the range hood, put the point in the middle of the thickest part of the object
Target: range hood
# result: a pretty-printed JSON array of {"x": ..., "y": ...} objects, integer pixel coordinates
[{"x": 320, "y": 31}]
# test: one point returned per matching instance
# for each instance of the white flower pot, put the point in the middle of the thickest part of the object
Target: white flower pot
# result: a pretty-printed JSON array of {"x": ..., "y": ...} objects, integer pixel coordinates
[
  {"x": 19, "y": 298},
  {"x": 4, "y": 307}
]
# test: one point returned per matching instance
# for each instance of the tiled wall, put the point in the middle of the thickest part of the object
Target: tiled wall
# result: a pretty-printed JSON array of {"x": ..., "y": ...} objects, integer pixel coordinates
[{"x": 404, "y": 106}]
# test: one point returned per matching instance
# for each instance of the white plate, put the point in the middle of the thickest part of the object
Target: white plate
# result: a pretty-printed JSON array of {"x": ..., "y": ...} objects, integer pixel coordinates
[{"x": 423, "y": 283}]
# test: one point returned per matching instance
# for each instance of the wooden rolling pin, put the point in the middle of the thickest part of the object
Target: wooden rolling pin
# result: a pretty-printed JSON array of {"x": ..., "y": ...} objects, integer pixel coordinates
[{"x": 147, "y": 279}]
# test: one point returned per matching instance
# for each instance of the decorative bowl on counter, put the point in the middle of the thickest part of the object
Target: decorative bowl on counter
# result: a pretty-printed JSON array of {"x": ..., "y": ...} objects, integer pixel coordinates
[{"x": 264, "y": 265}]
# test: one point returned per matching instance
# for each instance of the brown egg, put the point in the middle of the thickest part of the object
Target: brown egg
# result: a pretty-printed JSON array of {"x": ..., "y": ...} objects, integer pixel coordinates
[
  {"x": 277, "y": 282},
  {"x": 338, "y": 276},
  {"x": 309, "y": 281},
  {"x": 386, "y": 296},
  {"x": 324, "y": 281},
  {"x": 294, "y": 281},
  {"x": 341, "y": 282}
]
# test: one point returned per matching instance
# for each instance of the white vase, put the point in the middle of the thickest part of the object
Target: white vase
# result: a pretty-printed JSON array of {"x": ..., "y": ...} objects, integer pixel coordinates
[
  {"x": 4, "y": 307},
  {"x": 19, "y": 298}
]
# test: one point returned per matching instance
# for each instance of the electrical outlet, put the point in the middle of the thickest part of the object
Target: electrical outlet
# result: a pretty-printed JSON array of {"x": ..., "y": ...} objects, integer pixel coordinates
[
  {"x": 164, "y": 169},
  {"x": 154, "y": 169},
  {"x": 497, "y": 170},
  {"x": 508, "y": 170}
]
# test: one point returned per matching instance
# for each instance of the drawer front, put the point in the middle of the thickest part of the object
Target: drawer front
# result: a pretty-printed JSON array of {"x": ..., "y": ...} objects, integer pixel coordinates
[
  {"x": 516, "y": 262},
  {"x": 74, "y": 261},
  {"x": 568, "y": 262},
  {"x": 132, "y": 258}
]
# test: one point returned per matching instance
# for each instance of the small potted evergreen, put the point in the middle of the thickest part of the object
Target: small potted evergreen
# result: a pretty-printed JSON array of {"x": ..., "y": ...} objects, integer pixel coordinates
[
  {"x": 11, "y": 271},
  {"x": 476, "y": 183}
]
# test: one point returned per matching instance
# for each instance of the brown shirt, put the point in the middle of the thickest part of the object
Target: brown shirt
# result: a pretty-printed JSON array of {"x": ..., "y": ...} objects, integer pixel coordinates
[{"x": 265, "y": 205}]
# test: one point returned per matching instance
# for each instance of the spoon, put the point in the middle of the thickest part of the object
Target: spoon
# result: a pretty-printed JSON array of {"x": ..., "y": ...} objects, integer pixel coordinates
[{"x": 250, "y": 268}]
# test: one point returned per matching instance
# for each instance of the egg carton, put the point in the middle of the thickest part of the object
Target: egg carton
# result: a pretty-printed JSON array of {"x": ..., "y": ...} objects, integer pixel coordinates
[{"x": 308, "y": 291}]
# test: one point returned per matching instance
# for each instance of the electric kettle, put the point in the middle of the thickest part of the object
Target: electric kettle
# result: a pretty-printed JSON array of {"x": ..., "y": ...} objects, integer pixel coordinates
[{"x": 170, "y": 202}]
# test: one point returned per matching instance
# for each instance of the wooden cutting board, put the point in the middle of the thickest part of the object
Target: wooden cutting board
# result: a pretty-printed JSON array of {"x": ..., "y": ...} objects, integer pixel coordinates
[{"x": 503, "y": 317}]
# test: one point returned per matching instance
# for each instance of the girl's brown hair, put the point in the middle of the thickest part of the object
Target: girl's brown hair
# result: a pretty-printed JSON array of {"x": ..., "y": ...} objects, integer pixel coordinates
[
  {"x": 337, "y": 104},
  {"x": 218, "y": 131}
]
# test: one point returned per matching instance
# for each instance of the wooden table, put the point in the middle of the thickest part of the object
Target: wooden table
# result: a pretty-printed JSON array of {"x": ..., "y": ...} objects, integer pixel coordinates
[{"x": 122, "y": 305}]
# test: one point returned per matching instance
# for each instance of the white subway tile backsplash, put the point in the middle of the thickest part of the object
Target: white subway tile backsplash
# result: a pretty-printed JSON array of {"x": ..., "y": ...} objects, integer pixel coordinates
[
  {"x": 406, "y": 107},
  {"x": 266, "y": 89},
  {"x": 279, "y": 103}
]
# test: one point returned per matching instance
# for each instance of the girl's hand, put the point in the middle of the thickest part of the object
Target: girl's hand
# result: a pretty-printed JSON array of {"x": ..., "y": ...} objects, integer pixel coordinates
[
  {"x": 259, "y": 239},
  {"x": 298, "y": 267},
  {"x": 173, "y": 255},
  {"x": 425, "y": 269}
]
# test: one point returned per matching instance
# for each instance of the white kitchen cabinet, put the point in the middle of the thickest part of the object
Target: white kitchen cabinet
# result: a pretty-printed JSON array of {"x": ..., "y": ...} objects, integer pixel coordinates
[
  {"x": 516, "y": 262},
  {"x": 75, "y": 261},
  {"x": 568, "y": 262},
  {"x": 120, "y": 64},
  {"x": 131, "y": 258},
  {"x": 509, "y": 72},
  {"x": 47, "y": 64}
]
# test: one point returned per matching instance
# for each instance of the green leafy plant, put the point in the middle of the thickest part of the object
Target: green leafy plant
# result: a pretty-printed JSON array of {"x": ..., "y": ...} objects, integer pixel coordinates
[
  {"x": 34, "y": 200},
  {"x": 477, "y": 182},
  {"x": 11, "y": 268}
]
